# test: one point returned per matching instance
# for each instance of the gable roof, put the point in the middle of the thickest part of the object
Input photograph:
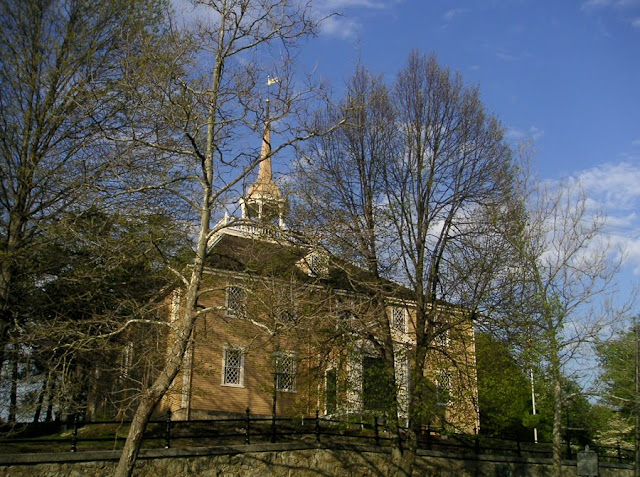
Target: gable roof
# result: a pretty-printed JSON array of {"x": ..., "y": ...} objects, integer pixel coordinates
[{"x": 256, "y": 255}]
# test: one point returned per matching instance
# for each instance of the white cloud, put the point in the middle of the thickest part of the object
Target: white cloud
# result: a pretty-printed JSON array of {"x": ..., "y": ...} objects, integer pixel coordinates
[
  {"x": 339, "y": 26},
  {"x": 516, "y": 134},
  {"x": 594, "y": 4},
  {"x": 344, "y": 4},
  {"x": 342, "y": 23},
  {"x": 190, "y": 14},
  {"x": 613, "y": 186},
  {"x": 506, "y": 55},
  {"x": 454, "y": 12},
  {"x": 612, "y": 189}
]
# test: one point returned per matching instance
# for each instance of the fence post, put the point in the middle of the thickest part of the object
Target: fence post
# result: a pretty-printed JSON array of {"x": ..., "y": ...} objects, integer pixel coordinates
[
  {"x": 519, "y": 448},
  {"x": 619, "y": 453},
  {"x": 273, "y": 428},
  {"x": 375, "y": 423},
  {"x": 568, "y": 447},
  {"x": 167, "y": 431},
  {"x": 247, "y": 439},
  {"x": 429, "y": 436},
  {"x": 317, "y": 425},
  {"x": 74, "y": 434},
  {"x": 477, "y": 444}
]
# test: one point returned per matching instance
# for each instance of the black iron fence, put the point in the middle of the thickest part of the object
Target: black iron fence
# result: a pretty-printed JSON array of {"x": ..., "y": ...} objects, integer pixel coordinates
[{"x": 76, "y": 435}]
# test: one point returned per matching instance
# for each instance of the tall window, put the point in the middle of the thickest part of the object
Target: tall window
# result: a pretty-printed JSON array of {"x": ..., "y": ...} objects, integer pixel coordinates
[
  {"x": 236, "y": 302},
  {"x": 286, "y": 372},
  {"x": 443, "y": 387},
  {"x": 127, "y": 360},
  {"x": 399, "y": 319},
  {"x": 233, "y": 367}
]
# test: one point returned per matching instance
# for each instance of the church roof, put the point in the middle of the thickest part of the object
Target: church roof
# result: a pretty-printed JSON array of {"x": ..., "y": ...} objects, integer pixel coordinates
[{"x": 259, "y": 257}]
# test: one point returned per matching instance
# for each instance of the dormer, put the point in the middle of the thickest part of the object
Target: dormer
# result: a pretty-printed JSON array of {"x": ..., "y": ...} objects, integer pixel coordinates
[{"x": 315, "y": 264}]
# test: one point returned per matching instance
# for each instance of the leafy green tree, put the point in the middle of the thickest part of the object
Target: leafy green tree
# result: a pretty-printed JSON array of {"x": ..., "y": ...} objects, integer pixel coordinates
[
  {"x": 617, "y": 361},
  {"x": 105, "y": 275},
  {"x": 564, "y": 281},
  {"x": 504, "y": 391},
  {"x": 60, "y": 65}
]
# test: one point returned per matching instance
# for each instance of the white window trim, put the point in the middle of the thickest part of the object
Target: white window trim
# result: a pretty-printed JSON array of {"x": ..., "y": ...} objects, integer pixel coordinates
[
  {"x": 227, "y": 349},
  {"x": 443, "y": 373},
  {"x": 290, "y": 355},
  {"x": 229, "y": 311},
  {"x": 394, "y": 310},
  {"x": 318, "y": 264}
]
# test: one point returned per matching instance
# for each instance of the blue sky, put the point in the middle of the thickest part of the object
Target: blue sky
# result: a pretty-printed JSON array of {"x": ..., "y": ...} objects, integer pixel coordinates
[{"x": 566, "y": 73}]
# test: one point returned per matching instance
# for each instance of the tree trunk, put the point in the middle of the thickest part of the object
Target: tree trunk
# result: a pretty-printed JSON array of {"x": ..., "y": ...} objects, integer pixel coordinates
[
  {"x": 557, "y": 422},
  {"x": 13, "y": 393},
  {"x": 41, "y": 394}
]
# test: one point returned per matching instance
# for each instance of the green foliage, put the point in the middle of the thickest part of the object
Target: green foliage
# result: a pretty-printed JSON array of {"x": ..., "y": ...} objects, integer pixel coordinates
[
  {"x": 617, "y": 361},
  {"x": 504, "y": 392}
]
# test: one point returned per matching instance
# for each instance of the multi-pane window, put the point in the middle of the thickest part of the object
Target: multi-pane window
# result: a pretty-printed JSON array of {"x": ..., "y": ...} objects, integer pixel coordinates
[
  {"x": 127, "y": 360},
  {"x": 286, "y": 372},
  {"x": 233, "y": 367},
  {"x": 318, "y": 264},
  {"x": 236, "y": 301},
  {"x": 443, "y": 387},
  {"x": 399, "y": 319},
  {"x": 442, "y": 339}
]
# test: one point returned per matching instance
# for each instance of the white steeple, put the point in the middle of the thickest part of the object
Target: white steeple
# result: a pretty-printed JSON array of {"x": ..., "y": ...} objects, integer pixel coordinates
[{"x": 263, "y": 201}]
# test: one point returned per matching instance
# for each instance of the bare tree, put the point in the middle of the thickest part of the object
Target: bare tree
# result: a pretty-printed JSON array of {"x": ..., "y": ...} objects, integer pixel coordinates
[
  {"x": 341, "y": 184},
  {"x": 565, "y": 284},
  {"x": 417, "y": 188},
  {"x": 194, "y": 106}
]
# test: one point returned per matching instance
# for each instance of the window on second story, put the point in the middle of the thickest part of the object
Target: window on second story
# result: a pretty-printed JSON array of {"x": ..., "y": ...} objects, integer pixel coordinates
[
  {"x": 318, "y": 264},
  {"x": 233, "y": 367},
  {"x": 399, "y": 319},
  {"x": 286, "y": 367},
  {"x": 236, "y": 301}
]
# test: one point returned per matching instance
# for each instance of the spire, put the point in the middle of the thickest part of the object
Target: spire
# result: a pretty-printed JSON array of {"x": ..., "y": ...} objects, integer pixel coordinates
[
  {"x": 263, "y": 201},
  {"x": 264, "y": 187}
]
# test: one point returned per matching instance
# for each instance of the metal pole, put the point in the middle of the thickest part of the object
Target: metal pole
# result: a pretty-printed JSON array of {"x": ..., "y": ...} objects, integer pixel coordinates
[
  {"x": 167, "y": 431},
  {"x": 533, "y": 404},
  {"x": 247, "y": 439},
  {"x": 74, "y": 434}
]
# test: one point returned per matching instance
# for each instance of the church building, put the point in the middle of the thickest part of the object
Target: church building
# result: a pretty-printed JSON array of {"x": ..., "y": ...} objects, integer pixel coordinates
[{"x": 279, "y": 333}]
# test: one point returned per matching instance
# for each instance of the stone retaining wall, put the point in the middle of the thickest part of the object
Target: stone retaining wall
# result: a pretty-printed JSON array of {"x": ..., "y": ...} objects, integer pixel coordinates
[{"x": 280, "y": 460}]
